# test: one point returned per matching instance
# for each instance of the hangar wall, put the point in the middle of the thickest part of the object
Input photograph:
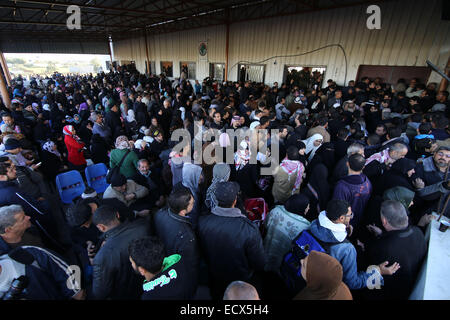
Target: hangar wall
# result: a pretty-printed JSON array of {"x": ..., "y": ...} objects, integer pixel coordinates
[{"x": 411, "y": 32}]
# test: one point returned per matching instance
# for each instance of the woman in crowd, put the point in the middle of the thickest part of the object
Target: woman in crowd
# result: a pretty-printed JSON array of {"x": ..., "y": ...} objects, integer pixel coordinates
[
  {"x": 52, "y": 161},
  {"x": 124, "y": 150},
  {"x": 75, "y": 148}
]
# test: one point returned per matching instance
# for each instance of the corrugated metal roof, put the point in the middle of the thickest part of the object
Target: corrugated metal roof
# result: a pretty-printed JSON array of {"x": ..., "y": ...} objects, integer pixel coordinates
[{"x": 40, "y": 46}]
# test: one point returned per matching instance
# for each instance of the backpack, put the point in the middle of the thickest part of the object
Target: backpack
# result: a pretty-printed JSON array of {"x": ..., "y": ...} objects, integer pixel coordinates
[
  {"x": 116, "y": 170},
  {"x": 257, "y": 210},
  {"x": 302, "y": 245}
]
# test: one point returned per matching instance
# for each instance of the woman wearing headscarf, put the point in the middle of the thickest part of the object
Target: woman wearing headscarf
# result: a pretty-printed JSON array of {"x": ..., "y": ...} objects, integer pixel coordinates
[
  {"x": 401, "y": 174},
  {"x": 52, "y": 161},
  {"x": 57, "y": 118},
  {"x": 129, "y": 164},
  {"x": 400, "y": 194},
  {"x": 83, "y": 111},
  {"x": 323, "y": 276},
  {"x": 317, "y": 190},
  {"x": 242, "y": 156},
  {"x": 192, "y": 178},
  {"x": 221, "y": 173},
  {"x": 282, "y": 225},
  {"x": 75, "y": 149},
  {"x": 312, "y": 144},
  {"x": 130, "y": 123},
  {"x": 246, "y": 174},
  {"x": 99, "y": 149},
  {"x": 325, "y": 154},
  {"x": 142, "y": 116}
]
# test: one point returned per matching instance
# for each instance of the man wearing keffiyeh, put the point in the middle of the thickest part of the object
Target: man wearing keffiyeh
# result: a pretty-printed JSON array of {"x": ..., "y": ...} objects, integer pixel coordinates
[{"x": 288, "y": 176}]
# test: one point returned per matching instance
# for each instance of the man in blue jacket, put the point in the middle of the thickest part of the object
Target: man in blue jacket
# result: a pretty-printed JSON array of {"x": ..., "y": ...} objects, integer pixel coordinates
[
  {"x": 10, "y": 193},
  {"x": 48, "y": 276},
  {"x": 331, "y": 230},
  {"x": 355, "y": 188}
]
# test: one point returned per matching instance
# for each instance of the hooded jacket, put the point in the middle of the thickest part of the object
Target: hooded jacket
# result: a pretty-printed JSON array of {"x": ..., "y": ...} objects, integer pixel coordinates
[
  {"x": 356, "y": 190},
  {"x": 344, "y": 252},
  {"x": 324, "y": 279}
]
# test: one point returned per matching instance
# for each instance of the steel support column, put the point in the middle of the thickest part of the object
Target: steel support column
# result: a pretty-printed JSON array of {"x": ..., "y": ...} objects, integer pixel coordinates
[
  {"x": 146, "y": 51},
  {"x": 444, "y": 82},
  {"x": 5, "y": 68},
  {"x": 4, "y": 91}
]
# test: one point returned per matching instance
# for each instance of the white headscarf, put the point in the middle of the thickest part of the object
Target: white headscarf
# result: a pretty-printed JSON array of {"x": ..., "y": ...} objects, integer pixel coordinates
[
  {"x": 130, "y": 116},
  {"x": 48, "y": 146},
  {"x": 310, "y": 147}
]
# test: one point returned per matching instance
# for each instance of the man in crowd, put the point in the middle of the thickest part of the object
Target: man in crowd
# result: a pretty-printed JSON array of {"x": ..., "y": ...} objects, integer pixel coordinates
[
  {"x": 232, "y": 244},
  {"x": 113, "y": 277},
  {"x": 165, "y": 276},
  {"x": 331, "y": 229},
  {"x": 174, "y": 228}
]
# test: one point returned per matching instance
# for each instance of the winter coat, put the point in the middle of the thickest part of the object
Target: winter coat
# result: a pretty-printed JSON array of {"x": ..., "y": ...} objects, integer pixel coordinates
[
  {"x": 51, "y": 165},
  {"x": 356, "y": 190},
  {"x": 345, "y": 253},
  {"x": 75, "y": 150},
  {"x": 113, "y": 276},
  {"x": 99, "y": 150},
  {"x": 178, "y": 236},
  {"x": 407, "y": 247},
  {"x": 48, "y": 275},
  {"x": 132, "y": 187},
  {"x": 232, "y": 246},
  {"x": 281, "y": 228},
  {"x": 172, "y": 283}
]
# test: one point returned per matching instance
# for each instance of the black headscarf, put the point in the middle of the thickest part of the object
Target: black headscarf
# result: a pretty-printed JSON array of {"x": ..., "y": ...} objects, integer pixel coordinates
[
  {"x": 319, "y": 182},
  {"x": 403, "y": 165}
]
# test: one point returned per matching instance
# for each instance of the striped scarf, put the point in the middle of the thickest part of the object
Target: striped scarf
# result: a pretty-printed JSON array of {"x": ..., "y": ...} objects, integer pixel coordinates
[{"x": 292, "y": 166}]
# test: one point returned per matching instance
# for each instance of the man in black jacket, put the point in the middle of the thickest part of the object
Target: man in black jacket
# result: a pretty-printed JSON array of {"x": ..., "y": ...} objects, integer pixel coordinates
[
  {"x": 399, "y": 242},
  {"x": 112, "y": 120},
  {"x": 165, "y": 276},
  {"x": 113, "y": 276},
  {"x": 175, "y": 230},
  {"x": 232, "y": 244}
]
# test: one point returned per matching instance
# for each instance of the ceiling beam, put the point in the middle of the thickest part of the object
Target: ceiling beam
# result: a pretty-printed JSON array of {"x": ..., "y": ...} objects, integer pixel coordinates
[{"x": 60, "y": 24}]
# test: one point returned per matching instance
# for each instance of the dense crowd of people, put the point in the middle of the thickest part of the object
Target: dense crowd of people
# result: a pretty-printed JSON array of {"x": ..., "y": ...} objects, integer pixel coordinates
[{"x": 361, "y": 167}]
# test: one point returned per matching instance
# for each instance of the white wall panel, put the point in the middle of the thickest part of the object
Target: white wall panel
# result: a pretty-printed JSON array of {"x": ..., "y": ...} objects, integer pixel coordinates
[{"x": 411, "y": 32}]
